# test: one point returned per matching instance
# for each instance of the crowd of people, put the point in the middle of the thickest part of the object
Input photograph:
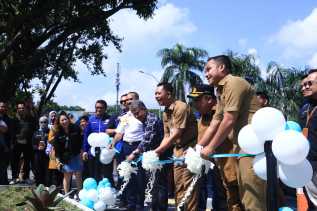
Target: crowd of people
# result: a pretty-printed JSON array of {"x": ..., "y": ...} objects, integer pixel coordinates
[{"x": 55, "y": 147}]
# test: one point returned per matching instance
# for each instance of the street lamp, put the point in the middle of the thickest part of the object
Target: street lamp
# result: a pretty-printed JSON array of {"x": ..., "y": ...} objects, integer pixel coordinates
[
  {"x": 157, "y": 81},
  {"x": 149, "y": 74}
]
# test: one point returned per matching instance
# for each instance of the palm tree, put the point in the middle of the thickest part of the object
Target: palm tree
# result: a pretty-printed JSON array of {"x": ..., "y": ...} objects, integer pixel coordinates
[
  {"x": 245, "y": 67},
  {"x": 284, "y": 84},
  {"x": 181, "y": 65}
]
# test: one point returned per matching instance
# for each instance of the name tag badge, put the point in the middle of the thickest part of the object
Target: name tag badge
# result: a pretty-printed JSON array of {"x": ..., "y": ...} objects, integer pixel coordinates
[{"x": 106, "y": 121}]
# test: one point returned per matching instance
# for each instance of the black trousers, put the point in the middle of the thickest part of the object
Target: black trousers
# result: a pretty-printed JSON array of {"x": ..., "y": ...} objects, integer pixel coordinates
[
  {"x": 160, "y": 189},
  {"x": 27, "y": 151},
  {"x": 40, "y": 167},
  {"x": 4, "y": 162},
  {"x": 97, "y": 170}
]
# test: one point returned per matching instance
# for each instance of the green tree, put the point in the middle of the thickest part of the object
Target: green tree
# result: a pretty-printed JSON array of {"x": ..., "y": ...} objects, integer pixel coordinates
[
  {"x": 43, "y": 39},
  {"x": 180, "y": 64},
  {"x": 283, "y": 85}
]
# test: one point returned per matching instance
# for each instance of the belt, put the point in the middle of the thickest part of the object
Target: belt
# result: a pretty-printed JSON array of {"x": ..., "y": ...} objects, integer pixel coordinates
[{"x": 132, "y": 143}]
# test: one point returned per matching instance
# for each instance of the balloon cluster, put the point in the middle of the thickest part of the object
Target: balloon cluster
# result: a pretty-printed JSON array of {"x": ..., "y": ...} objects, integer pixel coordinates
[
  {"x": 289, "y": 146},
  {"x": 97, "y": 197},
  {"x": 102, "y": 140}
]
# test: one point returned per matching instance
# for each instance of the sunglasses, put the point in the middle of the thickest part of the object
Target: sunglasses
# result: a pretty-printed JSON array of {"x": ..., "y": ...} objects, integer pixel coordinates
[
  {"x": 122, "y": 101},
  {"x": 43, "y": 122},
  {"x": 308, "y": 83}
]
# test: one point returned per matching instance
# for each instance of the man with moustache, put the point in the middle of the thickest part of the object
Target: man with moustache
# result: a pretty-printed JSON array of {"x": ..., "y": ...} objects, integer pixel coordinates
[
  {"x": 308, "y": 121},
  {"x": 236, "y": 104},
  {"x": 180, "y": 132},
  {"x": 203, "y": 99}
]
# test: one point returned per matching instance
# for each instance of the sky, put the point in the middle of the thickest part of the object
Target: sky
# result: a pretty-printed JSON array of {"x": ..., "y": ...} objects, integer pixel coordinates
[{"x": 282, "y": 31}]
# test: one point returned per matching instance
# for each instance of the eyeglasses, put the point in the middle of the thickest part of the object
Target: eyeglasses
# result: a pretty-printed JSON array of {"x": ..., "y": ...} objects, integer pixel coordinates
[
  {"x": 122, "y": 101},
  {"x": 308, "y": 83}
]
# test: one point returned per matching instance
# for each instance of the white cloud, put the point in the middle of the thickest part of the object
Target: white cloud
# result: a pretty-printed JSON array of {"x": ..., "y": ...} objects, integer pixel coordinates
[
  {"x": 298, "y": 37},
  {"x": 313, "y": 61},
  {"x": 142, "y": 39},
  {"x": 253, "y": 52},
  {"x": 168, "y": 21}
]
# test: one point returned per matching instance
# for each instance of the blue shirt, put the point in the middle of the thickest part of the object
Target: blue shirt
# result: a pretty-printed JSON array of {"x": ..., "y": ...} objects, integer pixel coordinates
[
  {"x": 312, "y": 127},
  {"x": 153, "y": 133},
  {"x": 97, "y": 125}
]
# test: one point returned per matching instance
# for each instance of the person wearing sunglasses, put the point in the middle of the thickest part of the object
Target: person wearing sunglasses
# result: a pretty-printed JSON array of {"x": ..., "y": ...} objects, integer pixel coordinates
[{"x": 308, "y": 121}]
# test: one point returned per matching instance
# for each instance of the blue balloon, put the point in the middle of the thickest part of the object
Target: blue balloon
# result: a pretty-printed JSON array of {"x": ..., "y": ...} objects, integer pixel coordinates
[
  {"x": 90, "y": 183},
  {"x": 88, "y": 203},
  {"x": 104, "y": 183},
  {"x": 285, "y": 209},
  {"x": 291, "y": 125}
]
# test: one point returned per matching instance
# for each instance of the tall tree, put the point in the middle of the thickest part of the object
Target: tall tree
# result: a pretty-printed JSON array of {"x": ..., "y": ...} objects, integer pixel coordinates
[
  {"x": 44, "y": 38},
  {"x": 180, "y": 64},
  {"x": 283, "y": 85}
]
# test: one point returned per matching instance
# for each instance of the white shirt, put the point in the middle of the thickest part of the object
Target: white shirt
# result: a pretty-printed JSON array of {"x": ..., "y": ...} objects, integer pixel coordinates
[{"x": 131, "y": 127}]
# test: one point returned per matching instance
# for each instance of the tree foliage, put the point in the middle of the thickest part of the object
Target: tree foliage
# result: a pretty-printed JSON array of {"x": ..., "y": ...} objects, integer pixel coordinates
[
  {"x": 42, "y": 39},
  {"x": 180, "y": 64}
]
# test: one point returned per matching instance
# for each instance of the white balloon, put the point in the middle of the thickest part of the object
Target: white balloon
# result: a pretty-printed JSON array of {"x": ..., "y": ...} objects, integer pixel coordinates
[
  {"x": 92, "y": 139},
  {"x": 296, "y": 176},
  {"x": 259, "y": 166},
  {"x": 100, "y": 206},
  {"x": 82, "y": 194},
  {"x": 267, "y": 123},
  {"x": 102, "y": 140},
  {"x": 107, "y": 196},
  {"x": 92, "y": 195},
  {"x": 249, "y": 142},
  {"x": 106, "y": 155},
  {"x": 290, "y": 147},
  {"x": 93, "y": 151}
]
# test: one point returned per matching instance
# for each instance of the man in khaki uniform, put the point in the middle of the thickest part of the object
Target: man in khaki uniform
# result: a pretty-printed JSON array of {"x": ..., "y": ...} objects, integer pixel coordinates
[
  {"x": 180, "y": 132},
  {"x": 204, "y": 100},
  {"x": 236, "y": 105}
]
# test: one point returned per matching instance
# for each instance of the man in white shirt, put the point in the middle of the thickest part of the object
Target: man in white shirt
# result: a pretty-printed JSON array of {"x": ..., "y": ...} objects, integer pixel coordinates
[{"x": 131, "y": 131}]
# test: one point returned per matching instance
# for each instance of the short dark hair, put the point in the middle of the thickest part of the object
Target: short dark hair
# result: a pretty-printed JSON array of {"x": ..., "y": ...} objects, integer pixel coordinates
[
  {"x": 166, "y": 86},
  {"x": 19, "y": 103},
  {"x": 136, "y": 95},
  {"x": 222, "y": 59},
  {"x": 312, "y": 71},
  {"x": 103, "y": 102},
  {"x": 123, "y": 95},
  {"x": 137, "y": 104},
  {"x": 304, "y": 76},
  {"x": 85, "y": 117},
  {"x": 263, "y": 94}
]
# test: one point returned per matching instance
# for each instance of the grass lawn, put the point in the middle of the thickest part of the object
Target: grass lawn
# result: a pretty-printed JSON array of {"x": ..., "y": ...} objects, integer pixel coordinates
[{"x": 10, "y": 196}]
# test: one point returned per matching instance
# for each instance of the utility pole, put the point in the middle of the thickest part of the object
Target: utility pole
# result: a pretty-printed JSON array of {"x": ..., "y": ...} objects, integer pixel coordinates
[{"x": 117, "y": 86}]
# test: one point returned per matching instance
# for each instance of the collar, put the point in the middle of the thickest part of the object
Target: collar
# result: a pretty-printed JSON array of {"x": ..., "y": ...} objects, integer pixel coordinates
[
  {"x": 224, "y": 80},
  {"x": 170, "y": 107}
]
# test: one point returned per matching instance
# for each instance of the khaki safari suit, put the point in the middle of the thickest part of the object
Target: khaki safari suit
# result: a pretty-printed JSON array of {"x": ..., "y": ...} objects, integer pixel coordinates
[
  {"x": 236, "y": 95},
  {"x": 226, "y": 167},
  {"x": 179, "y": 115}
]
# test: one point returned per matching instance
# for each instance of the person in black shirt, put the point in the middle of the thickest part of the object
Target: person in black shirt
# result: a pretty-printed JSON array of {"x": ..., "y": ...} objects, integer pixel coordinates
[
  {"x": 68, "y": 144},
  {"x": 39, "y": 143}
]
